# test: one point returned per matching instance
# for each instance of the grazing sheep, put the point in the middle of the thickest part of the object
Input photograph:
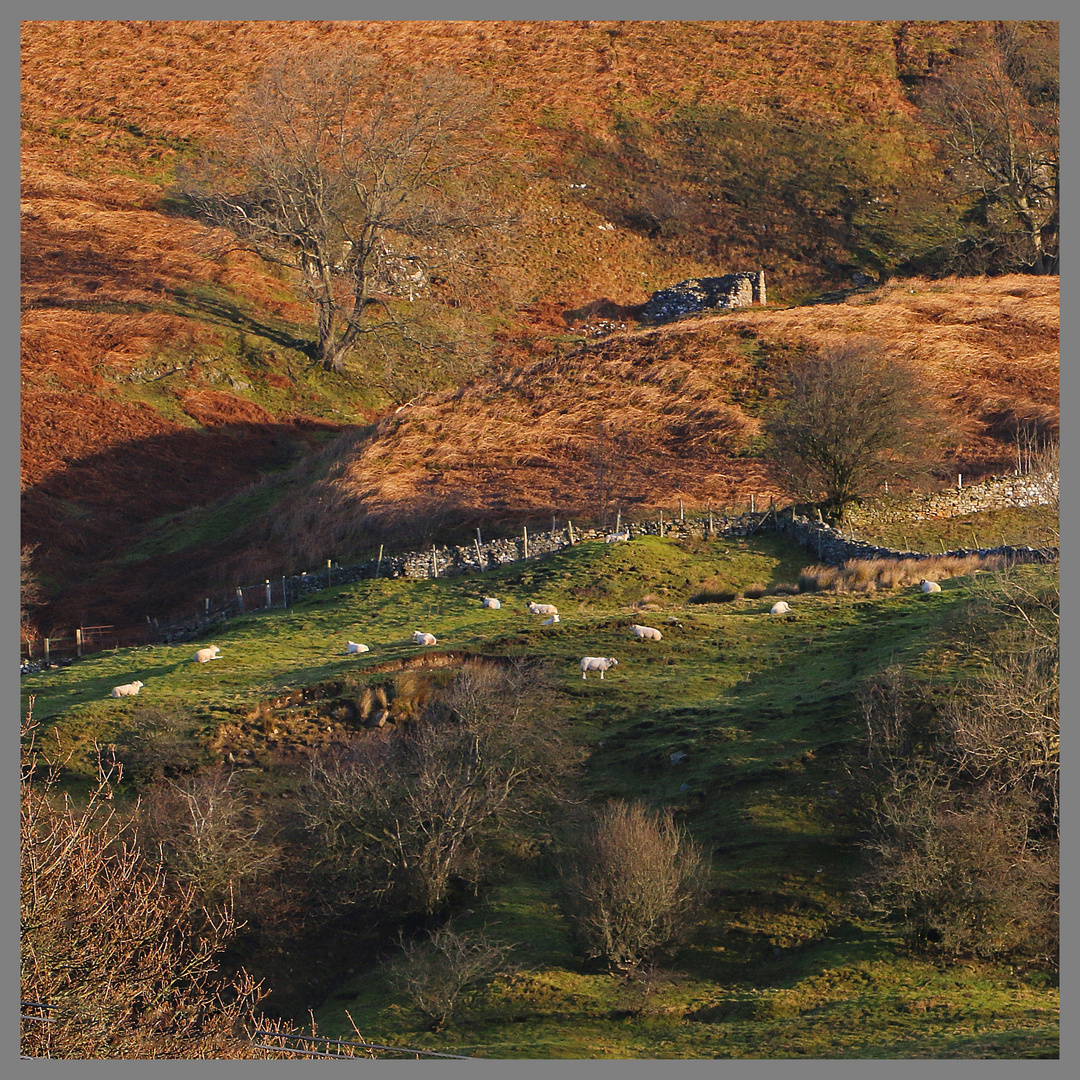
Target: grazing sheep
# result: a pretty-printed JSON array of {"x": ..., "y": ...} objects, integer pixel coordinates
[
  {"x": 491, "y": 602},
  {"x": 929, "y": 586},
  {"x": 424, "y": 639},
  {"x": 552, "y": 621},
  {"x": 209, "y": 653},
  {"x": 127, "y": 690},
  {"x": 615, "y": 538},
  {"x": 597, "y": 663},
  {"x": 781, "y": 607},
  {"x": 542, "y": 609},
  {"x": 645, "y": 633},
  {"x": 353, "y": 647}
]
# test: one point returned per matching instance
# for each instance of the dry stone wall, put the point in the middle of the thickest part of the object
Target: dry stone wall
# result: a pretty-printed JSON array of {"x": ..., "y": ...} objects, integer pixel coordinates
[
  {"x": 1039, "y": 489},
  {"x": 823, "y": 543}
]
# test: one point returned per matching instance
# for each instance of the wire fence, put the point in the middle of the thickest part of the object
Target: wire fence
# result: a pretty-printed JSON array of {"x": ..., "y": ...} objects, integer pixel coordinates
[{"x": 289, "y": 1044}]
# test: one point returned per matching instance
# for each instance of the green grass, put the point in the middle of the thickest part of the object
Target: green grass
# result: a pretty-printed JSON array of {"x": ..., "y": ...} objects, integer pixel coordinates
[
  {"x": 1033, "y": 526},
  {"x": 764, "y": 709}
]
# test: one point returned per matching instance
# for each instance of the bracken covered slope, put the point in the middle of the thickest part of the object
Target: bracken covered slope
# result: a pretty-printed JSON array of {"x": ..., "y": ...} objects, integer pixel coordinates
[{"x": 157, "y": 379}]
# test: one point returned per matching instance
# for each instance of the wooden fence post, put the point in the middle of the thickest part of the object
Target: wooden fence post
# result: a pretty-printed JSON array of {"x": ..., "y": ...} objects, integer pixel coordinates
[
  {"x": 434, "y": 564},
  {"x": 618, "y": 520},
  {"x": 329, "y": 567},
  {"x": 239, "y": 596},
  {"x": 661, "y": 523},
  {"x": 268, "y": 594},
  {"x": 378, "y": 561},
  {"x": 479, "y": 557},
  {"x": 78, "y": 641},
  {"x": 570, "y": 528},
  {"x": 525, "y": 533},
  {"x": 284, "y": 593},
  {"x": 46, "y": 650},
  {"x": 553, "y": 526},
  {"x": 682, "y": 518}
]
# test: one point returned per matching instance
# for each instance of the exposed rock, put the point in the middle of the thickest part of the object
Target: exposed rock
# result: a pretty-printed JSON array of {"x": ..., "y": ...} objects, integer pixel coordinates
[{"x": 705, "y": 294}]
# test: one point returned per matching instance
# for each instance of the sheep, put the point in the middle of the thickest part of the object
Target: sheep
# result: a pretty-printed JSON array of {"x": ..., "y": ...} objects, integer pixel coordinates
[
  {"x": 424, "y": 639},
  {"x": 597, "y": 663},
  {"x": 552, "y": 621},
  {"x": 542, "y": 609},
  {"x": 353, "y": 647},
  {"x": 615, "y": 538},
  {"x": 491, "y": 602},
  {"x": 929, "y": 586},
  {"x": 781, "y": 607},
  {"x": 127, "y": 690},
  {"x": 645, "y": 633},
  {"x": 209, "y": 653}
]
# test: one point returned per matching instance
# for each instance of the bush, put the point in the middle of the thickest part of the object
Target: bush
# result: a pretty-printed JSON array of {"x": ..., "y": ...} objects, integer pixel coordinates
[
  {"x": 108, "y": 947},
  {"x": 959, "y": 789},
  {"x": 634, "y": 886},
  {"x": 435, "y": 974}
]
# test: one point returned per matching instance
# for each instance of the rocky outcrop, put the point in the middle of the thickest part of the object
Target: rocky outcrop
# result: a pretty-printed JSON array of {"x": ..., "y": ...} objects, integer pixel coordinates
[{"x": 695, "y": 295}]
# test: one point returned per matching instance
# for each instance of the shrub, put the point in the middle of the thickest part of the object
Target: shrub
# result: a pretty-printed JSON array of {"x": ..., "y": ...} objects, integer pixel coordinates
[
  {"x": 634, "y": 885},
  {"x": 436, "y": 974},
  {"x": 107, "y": 946},
  {"x": 960, "y": 797}
]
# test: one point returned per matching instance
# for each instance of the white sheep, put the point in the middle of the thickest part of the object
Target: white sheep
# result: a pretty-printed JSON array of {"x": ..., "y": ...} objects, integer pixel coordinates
[
  {"x": 209, "y": 653},
  {"x": 615, "y": 538},
  {"x": 929, "y": 586},
  {"x": 597, "y": 663},
  {"x": 542, "y": 609},
  {"x": 424, "y": 639},
  {"x": 781, "y": 607},
  {"x": 127, "y": 690},
  {"x": 491, "y": 602},
  {"x": 646, "y": 633},
  {"x": 353, "y": 647},
  {"x": 552, "y": 621}
]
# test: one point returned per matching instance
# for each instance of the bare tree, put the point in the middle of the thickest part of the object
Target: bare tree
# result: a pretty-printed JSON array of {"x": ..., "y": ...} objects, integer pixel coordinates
[
  {"x": 850, "y": 418},
  {"x": 354, "y": 176},
  {"x": 635, "y": 883},
  {"x": 106, "y": 946},
  {"x": 203, "y": 828},
  {"x": 435, "y": 974},
  {"x": 398, "y": 819},
  {"x": 996, "y": 109},
  {"x": 959, "y": 791}
]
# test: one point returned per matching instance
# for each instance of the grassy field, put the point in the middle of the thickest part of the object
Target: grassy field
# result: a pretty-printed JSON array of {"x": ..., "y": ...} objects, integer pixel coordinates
[{"x": 763, "y": 707}]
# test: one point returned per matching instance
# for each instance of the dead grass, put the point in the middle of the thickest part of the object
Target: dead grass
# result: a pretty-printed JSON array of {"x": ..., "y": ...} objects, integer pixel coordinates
[{"x": 870, "y": 575}]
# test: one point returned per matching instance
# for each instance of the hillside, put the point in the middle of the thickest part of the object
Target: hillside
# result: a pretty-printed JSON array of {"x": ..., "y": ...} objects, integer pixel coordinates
[
  {"x": 159, "y": 379},
  {"x": 761, "y": 713},
  {"x": 634, "y": 422}
]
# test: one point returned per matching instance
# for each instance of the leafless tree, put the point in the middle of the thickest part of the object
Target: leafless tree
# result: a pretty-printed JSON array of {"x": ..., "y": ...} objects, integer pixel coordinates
[
  {"x": 959, "y": 791},
  {"x": 400, "y": 818},
  {"x": 106, "y": 946},
  {"x": 357, "y": 177},
  {"x": 996, "y": 109},
  {"x": 634, "y": 885},
  {"x": 203, "y": 830},
  {"x": 850, "y": 418},
  {"x": 436, "y": 974}
]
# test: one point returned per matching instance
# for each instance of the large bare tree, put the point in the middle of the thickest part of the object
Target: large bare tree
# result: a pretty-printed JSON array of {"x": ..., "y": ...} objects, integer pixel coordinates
[
  {"x": 355, "y": 176},
  {"x": 850, "y": 418},
  {"x": 996, "y": 109}
]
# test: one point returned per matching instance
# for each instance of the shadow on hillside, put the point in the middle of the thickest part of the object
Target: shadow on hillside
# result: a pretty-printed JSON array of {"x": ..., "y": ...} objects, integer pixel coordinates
[
  {"x": 97, "y": 507},
  {"x": 224, "y": 313}
]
